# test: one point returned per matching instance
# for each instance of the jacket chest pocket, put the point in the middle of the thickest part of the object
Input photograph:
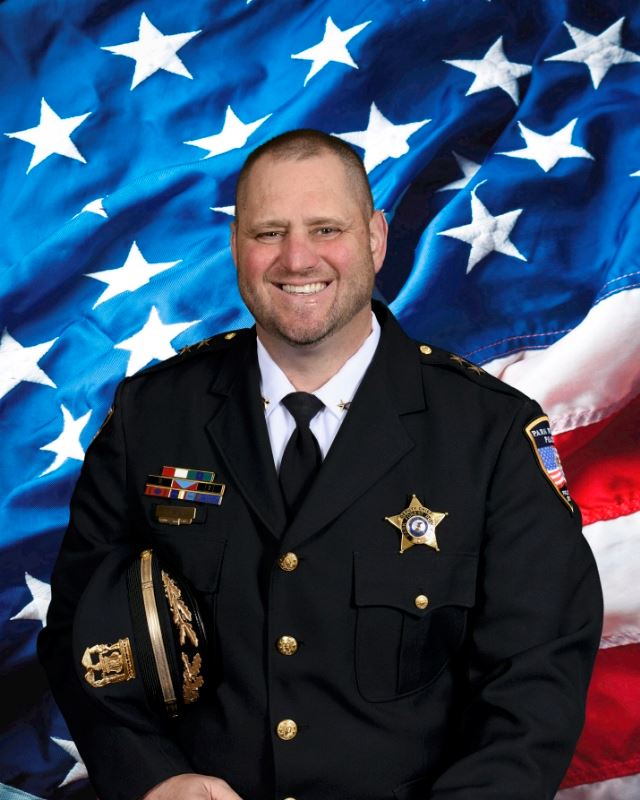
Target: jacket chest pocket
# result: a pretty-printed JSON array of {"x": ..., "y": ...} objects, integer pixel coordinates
[
  {"x": 187, "y": 538},
  {"x": 198, "y": 557},
  {"x": 411, "y": 618},
  {"x": 197, "y": 554}
]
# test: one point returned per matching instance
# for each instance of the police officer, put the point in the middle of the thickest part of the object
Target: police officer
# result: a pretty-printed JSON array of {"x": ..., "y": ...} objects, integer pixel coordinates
[{"x": 398, "y": 597}]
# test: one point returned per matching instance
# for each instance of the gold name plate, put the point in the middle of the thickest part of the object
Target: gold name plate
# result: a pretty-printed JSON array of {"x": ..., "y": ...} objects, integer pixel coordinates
[{"x": 176, "y": 515}]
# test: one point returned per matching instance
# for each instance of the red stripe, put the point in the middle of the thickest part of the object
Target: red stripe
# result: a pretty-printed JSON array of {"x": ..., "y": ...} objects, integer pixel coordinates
[
  {"x": 609, "y": 745},
  {"x": 557, "y": 476},
  {"x": 602, "y": 464}
]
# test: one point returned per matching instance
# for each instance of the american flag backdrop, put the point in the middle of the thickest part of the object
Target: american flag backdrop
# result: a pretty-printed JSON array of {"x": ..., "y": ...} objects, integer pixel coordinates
[{"x": 502, "y": 138}]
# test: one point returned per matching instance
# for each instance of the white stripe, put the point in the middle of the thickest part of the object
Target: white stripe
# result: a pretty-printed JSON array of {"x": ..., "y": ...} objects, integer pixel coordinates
[
  {"x": 9, "y": 793},
  {"x": 616, "y": 789},
  {"x": 626, "y": 635},
  {"x": 589, "y": 373},
  {"x": 615, "y": 546}
]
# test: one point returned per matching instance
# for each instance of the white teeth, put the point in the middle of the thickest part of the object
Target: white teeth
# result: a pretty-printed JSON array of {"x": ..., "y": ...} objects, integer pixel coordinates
[{"x": 307, "y": 288}]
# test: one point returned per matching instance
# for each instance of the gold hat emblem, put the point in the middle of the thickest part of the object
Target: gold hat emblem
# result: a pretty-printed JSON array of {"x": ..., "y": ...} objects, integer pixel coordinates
[{"x": 108, "y": 663}]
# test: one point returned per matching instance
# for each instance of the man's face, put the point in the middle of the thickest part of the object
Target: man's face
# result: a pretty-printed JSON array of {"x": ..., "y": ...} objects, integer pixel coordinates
[{"x": 306, "y": 249}]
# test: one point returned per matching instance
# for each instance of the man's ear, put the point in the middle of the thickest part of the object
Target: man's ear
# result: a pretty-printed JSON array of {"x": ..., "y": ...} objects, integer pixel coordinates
[
  {"x": 378, "y": 232},
  {"x": 233, "y": 242}
]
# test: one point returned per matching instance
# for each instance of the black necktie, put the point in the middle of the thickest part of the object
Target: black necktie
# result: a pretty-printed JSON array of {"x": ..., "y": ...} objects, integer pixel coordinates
[{"x": 302, "y": 456}]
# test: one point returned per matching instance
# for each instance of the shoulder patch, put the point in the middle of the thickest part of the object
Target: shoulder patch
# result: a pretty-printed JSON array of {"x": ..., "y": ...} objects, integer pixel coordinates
[{"x": 539, "y": 434}]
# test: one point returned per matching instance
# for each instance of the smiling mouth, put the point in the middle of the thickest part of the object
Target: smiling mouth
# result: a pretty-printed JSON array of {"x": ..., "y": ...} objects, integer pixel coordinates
[{"x": 305, "y": 288}]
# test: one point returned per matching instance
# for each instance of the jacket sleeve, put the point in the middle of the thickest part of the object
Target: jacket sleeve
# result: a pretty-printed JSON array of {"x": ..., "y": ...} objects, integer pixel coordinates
[
  {"x": 123, "y": 762},
  {"x": 533, "y": 636}
]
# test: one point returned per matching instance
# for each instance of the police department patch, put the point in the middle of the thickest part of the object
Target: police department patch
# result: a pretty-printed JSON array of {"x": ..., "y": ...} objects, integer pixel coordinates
[{"x": 539, "y": 434}]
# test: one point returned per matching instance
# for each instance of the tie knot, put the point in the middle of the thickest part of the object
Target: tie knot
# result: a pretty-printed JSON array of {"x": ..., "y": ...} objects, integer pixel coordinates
[{"x": 302, "y": 406}]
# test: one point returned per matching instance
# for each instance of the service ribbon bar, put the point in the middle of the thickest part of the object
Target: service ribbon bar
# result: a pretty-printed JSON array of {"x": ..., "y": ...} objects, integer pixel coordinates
[
  {"x": 185, "y": 483},
  {"x": 212, "y": 498},
  {"x": 192, "y": 474},
  {"x": 182, "y": 483}
]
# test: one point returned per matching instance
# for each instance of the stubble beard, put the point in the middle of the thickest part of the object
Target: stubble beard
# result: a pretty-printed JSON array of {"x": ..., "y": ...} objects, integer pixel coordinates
[{"x": 296, "y": 332}]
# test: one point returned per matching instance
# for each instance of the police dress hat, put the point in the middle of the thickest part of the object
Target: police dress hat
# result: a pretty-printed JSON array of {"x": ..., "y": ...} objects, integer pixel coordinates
[{"x": 139, "y": 642}]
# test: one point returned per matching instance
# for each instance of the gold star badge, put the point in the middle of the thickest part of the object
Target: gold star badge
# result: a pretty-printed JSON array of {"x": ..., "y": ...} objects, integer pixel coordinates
[{"x": 417, "y": 525}]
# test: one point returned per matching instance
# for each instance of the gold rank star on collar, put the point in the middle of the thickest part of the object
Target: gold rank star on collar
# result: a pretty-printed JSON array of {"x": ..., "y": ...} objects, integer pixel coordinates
[{"x": 417, "y": 525}]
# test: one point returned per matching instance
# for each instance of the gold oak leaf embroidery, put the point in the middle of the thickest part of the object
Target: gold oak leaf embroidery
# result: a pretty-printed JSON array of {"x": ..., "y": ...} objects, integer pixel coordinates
[
  {"x": 192, "y": 681},
  {"x": 180, "y": 611}
]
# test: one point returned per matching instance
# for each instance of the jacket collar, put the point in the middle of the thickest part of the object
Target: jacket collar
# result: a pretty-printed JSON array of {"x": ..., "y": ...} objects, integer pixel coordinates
[{"x": 370, "y": 442}]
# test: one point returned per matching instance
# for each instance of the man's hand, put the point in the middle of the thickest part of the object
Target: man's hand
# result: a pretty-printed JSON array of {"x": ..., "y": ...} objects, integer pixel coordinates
[{"x": 192, "y": 787}]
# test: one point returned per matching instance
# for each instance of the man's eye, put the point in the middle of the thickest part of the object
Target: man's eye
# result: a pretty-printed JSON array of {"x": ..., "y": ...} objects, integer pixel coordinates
[
  {"x": 270, "y": 235},
  {"x": 327, "y": 230}
]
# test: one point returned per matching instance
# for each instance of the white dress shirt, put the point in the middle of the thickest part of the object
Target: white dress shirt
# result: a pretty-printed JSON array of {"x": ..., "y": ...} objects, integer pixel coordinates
[{"x": 336, "y": 394}]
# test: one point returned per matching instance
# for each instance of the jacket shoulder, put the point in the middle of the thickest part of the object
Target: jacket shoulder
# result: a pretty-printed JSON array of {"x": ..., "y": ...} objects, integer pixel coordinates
[
  {"x": 218, "y": 343},
  {"x": 439, "y": 359}
]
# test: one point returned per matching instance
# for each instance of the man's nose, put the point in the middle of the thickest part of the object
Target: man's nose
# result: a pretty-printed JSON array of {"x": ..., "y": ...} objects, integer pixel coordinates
[{"x": 297, "y": 252}]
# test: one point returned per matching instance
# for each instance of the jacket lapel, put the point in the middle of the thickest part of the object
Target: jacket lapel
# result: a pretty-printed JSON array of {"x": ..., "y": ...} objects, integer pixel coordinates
[
  {"x": 239, "y": 432},
  {"x": 372, "y": 439}
]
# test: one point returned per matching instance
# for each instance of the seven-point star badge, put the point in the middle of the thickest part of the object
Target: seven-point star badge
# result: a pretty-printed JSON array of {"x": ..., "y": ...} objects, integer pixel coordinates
[{"x": 417, "y": 525}]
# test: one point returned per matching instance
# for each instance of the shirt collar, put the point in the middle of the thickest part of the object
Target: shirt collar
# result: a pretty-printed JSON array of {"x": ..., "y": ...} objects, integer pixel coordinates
[{"x": 336, "y": 394}]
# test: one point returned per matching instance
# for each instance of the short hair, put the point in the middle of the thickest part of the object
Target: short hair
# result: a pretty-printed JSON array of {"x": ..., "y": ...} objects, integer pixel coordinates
[{"x": 303, "y": 143}]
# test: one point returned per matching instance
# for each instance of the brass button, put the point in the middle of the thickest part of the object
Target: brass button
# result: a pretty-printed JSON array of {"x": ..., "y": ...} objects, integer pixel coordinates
[
  {"x": 230, "y": 335},
  {"x": 425, "y": 349},
  {"x": 287, "y": 645},
  {"x": 287, "y": 729},
  {"x": 288, "y": 562},
  {"x": 421, "y": 601}
]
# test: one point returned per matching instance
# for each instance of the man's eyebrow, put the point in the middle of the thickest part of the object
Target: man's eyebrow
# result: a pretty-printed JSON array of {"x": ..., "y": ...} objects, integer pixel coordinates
[
  {"x": 269, "y": 223},
  {"x": 326, "y": 221},
  {"x": 261, "y": 224}
]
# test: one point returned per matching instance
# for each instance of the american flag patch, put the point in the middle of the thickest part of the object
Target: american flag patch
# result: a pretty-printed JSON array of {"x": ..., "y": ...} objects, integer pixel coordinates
[{"x": 539, "y": 434}]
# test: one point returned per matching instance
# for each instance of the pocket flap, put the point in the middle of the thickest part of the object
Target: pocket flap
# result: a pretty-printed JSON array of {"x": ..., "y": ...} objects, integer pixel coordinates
[
  {"x": 414, "y": 582},
  {"x": 195, "y": 553}
]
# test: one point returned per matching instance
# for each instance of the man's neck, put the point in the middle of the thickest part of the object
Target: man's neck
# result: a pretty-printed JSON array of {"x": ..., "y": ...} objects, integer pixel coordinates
[{"x": 309, "y": 367}]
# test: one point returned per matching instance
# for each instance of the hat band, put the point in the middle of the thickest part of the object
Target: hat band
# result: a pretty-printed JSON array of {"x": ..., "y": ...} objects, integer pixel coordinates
[{"x": 155, "y": 633}]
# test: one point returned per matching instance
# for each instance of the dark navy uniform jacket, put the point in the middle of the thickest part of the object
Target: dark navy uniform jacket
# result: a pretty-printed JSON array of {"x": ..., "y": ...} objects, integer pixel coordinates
[{"x": 476, "y": 695}]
